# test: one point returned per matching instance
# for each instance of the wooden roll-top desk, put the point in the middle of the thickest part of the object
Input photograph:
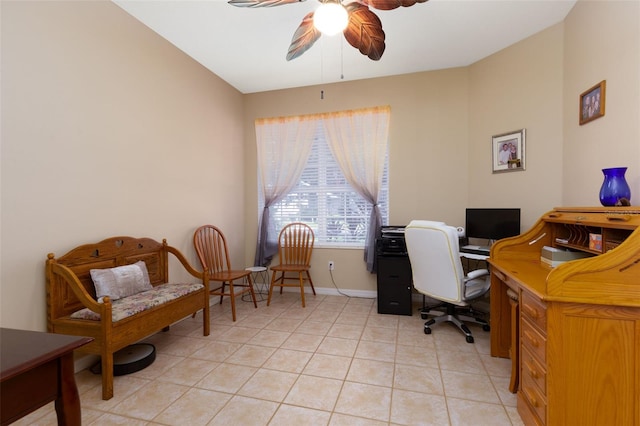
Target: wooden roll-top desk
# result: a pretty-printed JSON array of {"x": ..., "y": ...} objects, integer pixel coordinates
[{"x": 572, "y": 331}]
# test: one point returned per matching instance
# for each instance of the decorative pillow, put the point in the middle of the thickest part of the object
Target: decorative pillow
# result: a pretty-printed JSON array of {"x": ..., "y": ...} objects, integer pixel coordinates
[{"x": 122, "y": 281}]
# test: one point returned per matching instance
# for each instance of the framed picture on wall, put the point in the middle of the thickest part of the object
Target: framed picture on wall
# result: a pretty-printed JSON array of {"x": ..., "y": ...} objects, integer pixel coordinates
[
  {"x": 508, "y": 151},
  {"x": 592, "y": 103}
]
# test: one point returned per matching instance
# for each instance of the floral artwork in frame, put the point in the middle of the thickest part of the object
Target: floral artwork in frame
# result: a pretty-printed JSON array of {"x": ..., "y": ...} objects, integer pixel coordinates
[{"x": 508, "y": 151}]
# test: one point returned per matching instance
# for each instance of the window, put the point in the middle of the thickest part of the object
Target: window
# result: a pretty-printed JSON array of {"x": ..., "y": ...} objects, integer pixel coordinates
[{"x": 325, "y": 201}]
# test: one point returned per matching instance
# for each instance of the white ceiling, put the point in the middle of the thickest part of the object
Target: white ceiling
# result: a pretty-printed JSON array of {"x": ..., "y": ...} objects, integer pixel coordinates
[{"x": 247, "y": 47}]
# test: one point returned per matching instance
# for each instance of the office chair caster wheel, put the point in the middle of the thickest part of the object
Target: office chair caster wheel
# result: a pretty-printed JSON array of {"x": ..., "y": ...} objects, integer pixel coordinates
[
  {"x": 424, "y": 316},
  {"x": 427, "y": 330},
  {"x": 469, "y": 339},
  {"x": 486, "y": 327}
]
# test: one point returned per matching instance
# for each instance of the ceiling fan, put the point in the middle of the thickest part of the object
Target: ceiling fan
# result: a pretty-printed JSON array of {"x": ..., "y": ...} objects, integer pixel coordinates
[{"x": 361, "y": 27}]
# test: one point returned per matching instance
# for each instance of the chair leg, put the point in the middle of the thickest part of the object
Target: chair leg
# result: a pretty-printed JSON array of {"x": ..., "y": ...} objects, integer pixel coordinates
[
  {"x": 222, "y": 291},
  {"x": 301, "y": 287},
  {"x": 232, "y": 295},
  {"x": 311, "y": 283},
  {"x": 273, "y": 280}
]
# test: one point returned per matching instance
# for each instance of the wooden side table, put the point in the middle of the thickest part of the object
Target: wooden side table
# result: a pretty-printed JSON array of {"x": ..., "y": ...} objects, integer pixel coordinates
[
  {"x": 261, "y": 289},
  {"x": 37, "y": 368}
]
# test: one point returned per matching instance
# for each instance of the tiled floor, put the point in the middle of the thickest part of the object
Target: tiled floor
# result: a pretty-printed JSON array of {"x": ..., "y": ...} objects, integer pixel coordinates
[{"x": 335, "y": 362}]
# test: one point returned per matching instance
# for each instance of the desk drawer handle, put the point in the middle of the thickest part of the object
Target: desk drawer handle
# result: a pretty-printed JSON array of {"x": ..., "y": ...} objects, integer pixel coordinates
[
  {"x": 619, "y": 218},
  {"x": 534, "y": 342},
  {"x": 533, "y": 372},
  {"x": 532, "y": 312},
  {"x": 531, "y": 399}
]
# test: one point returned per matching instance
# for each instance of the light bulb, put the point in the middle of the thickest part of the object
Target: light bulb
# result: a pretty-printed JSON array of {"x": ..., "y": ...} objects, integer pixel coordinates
[{"x": 330, "y": 18}]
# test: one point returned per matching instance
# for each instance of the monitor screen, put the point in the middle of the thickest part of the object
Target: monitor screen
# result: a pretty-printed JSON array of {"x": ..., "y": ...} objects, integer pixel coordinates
[{"x": 492, "y": 224}]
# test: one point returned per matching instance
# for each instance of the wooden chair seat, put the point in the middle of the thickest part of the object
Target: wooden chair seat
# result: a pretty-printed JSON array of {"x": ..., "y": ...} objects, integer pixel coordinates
[
  {"x": 290, "y": 268},
  {"x": 231, "y": 276}
]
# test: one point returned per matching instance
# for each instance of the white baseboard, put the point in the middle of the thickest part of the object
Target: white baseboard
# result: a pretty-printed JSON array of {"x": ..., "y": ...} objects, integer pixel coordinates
[
  {"x": 328, "y": 291},
  {"x": 332, "y": 291},
  {"x": 369, "y": 294}
]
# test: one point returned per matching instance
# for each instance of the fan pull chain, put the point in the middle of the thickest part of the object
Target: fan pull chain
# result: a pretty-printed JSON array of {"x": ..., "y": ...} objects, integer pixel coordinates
[
  {"x": 342, "y": 59},
  {"x": 322, "y": 66}
]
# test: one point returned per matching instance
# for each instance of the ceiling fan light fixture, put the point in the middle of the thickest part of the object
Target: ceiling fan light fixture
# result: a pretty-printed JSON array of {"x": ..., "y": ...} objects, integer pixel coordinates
[{"x": 330, "y": 18}]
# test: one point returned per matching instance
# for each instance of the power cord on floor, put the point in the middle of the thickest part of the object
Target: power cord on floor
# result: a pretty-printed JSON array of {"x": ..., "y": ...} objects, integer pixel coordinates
[{"x": 344, "y": 294}]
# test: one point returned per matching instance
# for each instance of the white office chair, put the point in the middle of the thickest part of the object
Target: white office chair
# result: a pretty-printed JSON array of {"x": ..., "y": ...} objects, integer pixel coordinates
[{"x": 437, "y": 273}]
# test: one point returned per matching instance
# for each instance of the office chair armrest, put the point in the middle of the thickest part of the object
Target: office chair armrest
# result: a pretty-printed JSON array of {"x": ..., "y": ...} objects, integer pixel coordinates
[{"x": 477, "y": 273}]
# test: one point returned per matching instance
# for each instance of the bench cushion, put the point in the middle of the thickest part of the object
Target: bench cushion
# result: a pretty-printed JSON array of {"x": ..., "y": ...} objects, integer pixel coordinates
[
  {"x": 121, "y": 281},
  {"x": 131, "y": 305}
]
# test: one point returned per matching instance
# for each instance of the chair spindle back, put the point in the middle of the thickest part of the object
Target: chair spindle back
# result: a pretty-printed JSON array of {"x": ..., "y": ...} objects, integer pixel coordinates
[
  {"x": 296, "y": 244},
  {"x": 211, "y": 247}
]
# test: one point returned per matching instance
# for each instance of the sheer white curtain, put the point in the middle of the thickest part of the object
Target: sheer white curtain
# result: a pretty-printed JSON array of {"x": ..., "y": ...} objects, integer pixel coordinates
[
  {"x": 359, "y": 141},
  {"x": 283, "y": 146}
]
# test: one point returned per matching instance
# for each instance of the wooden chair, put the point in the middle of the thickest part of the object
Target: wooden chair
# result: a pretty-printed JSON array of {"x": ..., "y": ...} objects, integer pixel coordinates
[
  {"x": 295, "y": 245},
  {"x": 211, "y": 247}
]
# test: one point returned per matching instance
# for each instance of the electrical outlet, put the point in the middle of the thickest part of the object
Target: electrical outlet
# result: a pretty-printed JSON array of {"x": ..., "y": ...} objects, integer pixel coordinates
[{"x": 331, "y": 265}]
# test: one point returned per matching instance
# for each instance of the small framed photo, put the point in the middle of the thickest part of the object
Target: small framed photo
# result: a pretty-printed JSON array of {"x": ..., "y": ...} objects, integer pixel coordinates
[
  {"x": 508, "y": 151},
  {"x": 592, "y": 103}
]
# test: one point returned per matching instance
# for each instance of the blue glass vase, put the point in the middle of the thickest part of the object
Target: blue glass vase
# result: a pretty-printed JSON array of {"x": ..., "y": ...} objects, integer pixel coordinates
[{"x": 615, "y": 189}]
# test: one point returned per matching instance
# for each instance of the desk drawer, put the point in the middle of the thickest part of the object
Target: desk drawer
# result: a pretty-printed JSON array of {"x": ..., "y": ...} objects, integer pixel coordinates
[
  {"x": 532, "y": 340},
  {"x": 531, "y": 367},
  {"x": 536, "y": 401},
  {"x": 534, "y": 310}
]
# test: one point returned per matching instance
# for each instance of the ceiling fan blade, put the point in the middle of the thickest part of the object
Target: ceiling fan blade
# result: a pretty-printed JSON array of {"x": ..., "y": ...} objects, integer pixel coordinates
[
  {"x": 391, "y": 4},
  {"x": 261, "y": 3},
  {"x": 303, "y": 38},
  {"x": 364, "y": 31}
]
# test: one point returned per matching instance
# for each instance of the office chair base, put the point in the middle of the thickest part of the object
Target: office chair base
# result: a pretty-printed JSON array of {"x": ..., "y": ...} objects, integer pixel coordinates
[
  {"x": 435, "y": 310},
  {"x": 444, "y": 308},
  {"x": 457, "y": 320}
]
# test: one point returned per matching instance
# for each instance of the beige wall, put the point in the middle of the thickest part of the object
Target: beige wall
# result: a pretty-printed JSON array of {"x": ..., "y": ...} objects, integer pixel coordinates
[
  {"x": 107, "y": 129},
  {"x": 440, "y": 140},
  {"x": 442, "y": 124},
  {"x": 611, "y": 54},
  {"x": 518, "y": 88},
  {"x": 427, "y": 153}
]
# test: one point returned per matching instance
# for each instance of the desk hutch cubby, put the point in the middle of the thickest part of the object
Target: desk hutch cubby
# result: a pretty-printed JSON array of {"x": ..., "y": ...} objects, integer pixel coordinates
[{"x": 573, "y": 331}]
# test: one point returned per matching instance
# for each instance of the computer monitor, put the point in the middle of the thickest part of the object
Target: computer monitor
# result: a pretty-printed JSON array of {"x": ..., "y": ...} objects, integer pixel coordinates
[{"x": 492, "y": 224}]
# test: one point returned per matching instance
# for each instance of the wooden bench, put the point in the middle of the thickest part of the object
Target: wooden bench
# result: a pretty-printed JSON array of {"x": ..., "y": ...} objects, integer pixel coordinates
[{"x": 71, "y": 291}]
